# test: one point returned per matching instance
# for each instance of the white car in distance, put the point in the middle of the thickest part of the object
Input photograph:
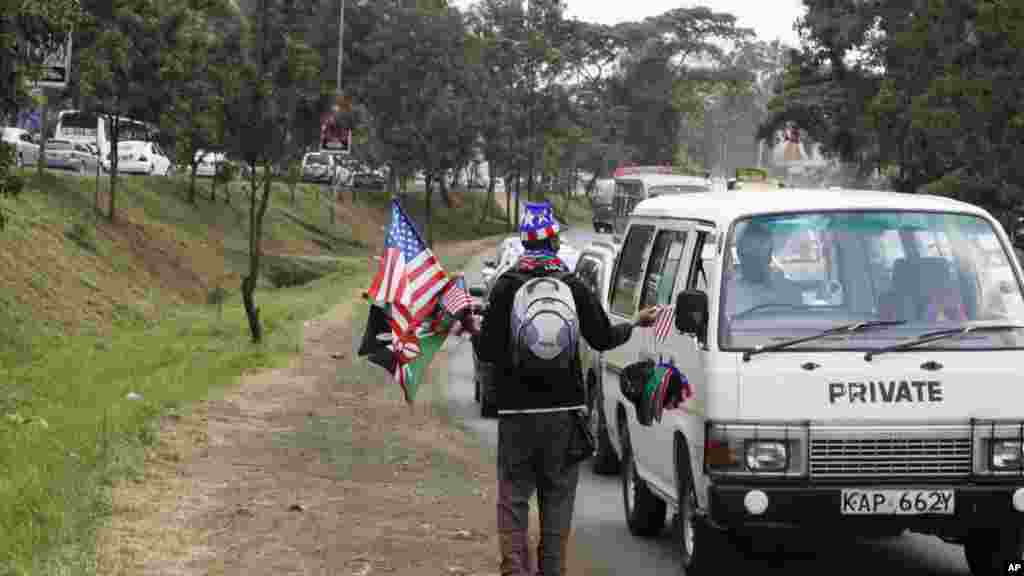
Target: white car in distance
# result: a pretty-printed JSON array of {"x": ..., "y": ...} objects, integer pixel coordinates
[
  {"x": 141, "y": 157},
  {"x": 25, "y": 149}
]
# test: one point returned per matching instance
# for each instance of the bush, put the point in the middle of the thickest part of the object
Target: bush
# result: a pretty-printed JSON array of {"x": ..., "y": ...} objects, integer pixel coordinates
[
  {"x": 11, "y": 183},
  {"x": 226, "y": 172},
  {"x": 82, "y": 235}
]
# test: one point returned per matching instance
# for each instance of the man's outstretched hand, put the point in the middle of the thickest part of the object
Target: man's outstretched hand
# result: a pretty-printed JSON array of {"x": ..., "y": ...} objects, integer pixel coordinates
[{"x": 646, "y": 317}]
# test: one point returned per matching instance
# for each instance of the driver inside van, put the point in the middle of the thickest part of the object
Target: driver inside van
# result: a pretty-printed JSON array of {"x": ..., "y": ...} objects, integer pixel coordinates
[{"x": 755, "y": 281}]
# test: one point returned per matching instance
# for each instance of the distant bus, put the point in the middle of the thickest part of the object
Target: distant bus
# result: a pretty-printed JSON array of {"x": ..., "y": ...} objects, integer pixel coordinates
[
  {"x": 634, "y": 184},
  {"x": 97, "y": 129}
]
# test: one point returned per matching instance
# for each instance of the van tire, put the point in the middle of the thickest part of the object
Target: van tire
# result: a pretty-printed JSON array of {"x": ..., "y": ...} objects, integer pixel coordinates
[
  {"x": 703, "y": 554},
  {"x": 645, "y": 512},
  {"x": 988, "y": 552}
]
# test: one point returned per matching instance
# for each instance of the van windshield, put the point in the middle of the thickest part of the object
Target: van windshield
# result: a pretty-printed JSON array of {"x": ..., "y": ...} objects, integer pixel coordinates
[{"x": 792, "y": 275}]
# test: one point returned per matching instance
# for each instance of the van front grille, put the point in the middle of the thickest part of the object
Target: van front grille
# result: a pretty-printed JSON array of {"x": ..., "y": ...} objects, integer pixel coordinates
[{"x": 884, "y": 457}]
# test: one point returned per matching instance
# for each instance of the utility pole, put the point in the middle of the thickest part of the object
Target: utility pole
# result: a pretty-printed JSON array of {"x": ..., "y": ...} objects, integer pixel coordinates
[
  {"x": 341, "y": 44},
  {"x": 335, "y": 184},
  {"x": 532, "y": 103}
]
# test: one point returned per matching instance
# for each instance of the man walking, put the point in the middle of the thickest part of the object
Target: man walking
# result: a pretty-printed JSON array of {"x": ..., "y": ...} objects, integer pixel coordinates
[{"x": 537, "y": 312}]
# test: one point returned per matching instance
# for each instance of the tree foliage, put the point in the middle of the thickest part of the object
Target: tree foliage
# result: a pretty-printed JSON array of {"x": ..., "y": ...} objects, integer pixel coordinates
[
  {"x": 28, "y": 29},
  {"x": 928, "y": 91}
]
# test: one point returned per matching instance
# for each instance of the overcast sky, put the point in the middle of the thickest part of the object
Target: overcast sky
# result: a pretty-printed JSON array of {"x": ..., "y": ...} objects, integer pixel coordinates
[{"x": 770, "y": 19}]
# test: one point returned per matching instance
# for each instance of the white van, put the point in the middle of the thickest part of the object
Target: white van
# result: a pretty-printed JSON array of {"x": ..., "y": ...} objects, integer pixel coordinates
[
  {"x": 635, "y": 184},
  {"x": 872, "y": 382}
]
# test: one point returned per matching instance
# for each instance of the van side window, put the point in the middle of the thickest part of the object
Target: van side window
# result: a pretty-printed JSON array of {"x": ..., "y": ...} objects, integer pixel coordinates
[
  {"x": 628, "y": 269},
  {"x": 698, "y": 279},
  {"x": 663, "y": 267}
]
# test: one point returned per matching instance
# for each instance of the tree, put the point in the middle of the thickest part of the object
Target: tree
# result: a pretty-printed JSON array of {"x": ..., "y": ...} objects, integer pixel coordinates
[
  {"x": 420, "y": 92},
  {"x": 925, "y": 91},
  {"x": 193, "y": 118},
  {"x": 121, "y": 51},
  {"x": 674, "y": 61},
  {"x": 276, "y": 64},
  {"x": 28, "y": 30}
]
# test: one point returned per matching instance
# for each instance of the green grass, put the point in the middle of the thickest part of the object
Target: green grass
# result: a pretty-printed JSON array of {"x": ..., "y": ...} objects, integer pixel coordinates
[
  {"x": 464, "y": 223},
  {"x": 68, "y": 424}
]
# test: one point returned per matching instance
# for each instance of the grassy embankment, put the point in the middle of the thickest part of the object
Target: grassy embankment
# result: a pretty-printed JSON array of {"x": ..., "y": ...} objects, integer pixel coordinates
[{"x": 108, "y": 326}]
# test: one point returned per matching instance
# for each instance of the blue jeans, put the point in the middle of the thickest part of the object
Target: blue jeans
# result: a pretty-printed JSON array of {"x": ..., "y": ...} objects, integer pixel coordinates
[{"x": 532, "y": 450}]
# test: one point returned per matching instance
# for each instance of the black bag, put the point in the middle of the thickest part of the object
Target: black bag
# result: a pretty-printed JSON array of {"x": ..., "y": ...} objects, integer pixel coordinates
[
  {"x": 632, "y": 383},
  {"x": 581, "y": 441},
  {"x": 634, "y": 378}
]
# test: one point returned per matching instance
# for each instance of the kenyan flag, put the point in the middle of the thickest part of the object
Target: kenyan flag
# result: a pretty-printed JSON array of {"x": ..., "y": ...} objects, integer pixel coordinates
[{"x": 666, "y": 387}]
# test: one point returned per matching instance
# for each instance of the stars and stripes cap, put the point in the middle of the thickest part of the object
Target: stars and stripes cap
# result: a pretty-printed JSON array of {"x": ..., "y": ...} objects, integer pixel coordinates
[{"x": 538, "y": 222}]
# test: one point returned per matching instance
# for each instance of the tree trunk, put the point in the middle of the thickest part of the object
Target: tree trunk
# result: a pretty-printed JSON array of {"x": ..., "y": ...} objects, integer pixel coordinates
[
  {"x": 514, "y": 219},
  {"x": 257, "y": 210},
  {"x": 444, "y": 193},
  {"x": 97, "y": 199},
  {"x": 508, "y": 205},
  {"x": 112, "y": 193},
  {"x": 41, "y": 158},
  {"x": 488, "y": 198},
  {"x": 192, "y": 183},
  {"x": 430, "y": 224}
]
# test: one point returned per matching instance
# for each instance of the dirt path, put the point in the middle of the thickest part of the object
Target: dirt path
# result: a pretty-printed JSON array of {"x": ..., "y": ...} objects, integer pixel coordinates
[{"x": 314, "y": 468}]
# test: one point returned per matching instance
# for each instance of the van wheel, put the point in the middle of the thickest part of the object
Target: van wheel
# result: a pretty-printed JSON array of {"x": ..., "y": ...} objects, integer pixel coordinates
[
  {"x": 605, "y": 461},
  {"x": 698, "y": 542},
  {"x": 989, "y": 552},
  {"x": 645, "y": 512}
]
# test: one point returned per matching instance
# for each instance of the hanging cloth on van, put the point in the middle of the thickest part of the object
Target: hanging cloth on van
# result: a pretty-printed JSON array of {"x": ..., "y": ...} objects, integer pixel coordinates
[{"x": 664, "y": 388}]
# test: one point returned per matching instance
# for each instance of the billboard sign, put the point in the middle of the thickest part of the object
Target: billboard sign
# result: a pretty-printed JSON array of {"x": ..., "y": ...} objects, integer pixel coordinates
[
  {"x": 56, "y": 65},
  {"x": 334, "y": 138}
]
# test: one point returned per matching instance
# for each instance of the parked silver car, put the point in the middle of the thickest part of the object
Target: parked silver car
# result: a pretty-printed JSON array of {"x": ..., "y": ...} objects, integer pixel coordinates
[{"x": 68, "y": 155}]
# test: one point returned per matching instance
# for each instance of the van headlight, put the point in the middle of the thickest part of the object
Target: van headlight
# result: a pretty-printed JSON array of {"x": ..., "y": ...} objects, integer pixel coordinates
[
  {"x": 766, "y": 455},
  {"x": 754, "y": 449},
  {"x": 1005, "y": 454}
]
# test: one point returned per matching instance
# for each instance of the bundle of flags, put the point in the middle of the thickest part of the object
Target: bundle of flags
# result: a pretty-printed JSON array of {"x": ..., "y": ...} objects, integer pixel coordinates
[
  {"x": 414, "y": 305},
  {"x": 666, "y": 389}
]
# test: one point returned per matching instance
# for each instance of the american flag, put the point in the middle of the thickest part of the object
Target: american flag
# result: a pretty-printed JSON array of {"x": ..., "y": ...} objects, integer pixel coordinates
[
  {"x": 409, "y": 277},
  {"x": 456, "y": 298},
  {"x": 663, "y": 322}
]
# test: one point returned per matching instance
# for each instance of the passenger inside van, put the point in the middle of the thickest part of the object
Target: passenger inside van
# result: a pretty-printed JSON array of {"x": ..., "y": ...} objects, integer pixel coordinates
[
  {"x": 923, "y": 289},
  {"x": 755, "y": 282}
]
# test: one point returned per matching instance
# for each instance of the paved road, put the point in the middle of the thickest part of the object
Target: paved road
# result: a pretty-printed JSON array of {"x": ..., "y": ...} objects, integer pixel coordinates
[{"x": 602, "y": 533}]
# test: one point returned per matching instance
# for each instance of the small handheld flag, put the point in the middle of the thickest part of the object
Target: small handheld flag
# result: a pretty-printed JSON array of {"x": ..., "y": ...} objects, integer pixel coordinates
[
  {"x": 663, "y": 322},
  {"x": 456, "y": 297}
]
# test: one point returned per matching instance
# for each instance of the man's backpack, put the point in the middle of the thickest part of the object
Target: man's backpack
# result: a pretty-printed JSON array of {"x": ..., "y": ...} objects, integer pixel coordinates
[{"x": 544, "y": 325}]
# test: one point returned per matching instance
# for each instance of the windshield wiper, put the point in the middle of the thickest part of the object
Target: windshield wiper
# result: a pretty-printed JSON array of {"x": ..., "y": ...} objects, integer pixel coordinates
[
  {"x": 942, "y": 335},
  {"x": 851, "y": 328}
]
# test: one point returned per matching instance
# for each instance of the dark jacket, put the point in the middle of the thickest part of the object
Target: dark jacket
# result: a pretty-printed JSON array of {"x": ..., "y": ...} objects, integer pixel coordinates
[{"x": 527, "y": 392}]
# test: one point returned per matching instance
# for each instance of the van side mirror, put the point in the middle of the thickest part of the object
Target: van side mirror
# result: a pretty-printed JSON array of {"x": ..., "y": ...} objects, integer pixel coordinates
[{"x": 691, "y": 314}]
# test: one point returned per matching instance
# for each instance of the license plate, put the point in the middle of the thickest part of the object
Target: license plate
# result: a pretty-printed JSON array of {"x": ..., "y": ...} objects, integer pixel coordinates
[{"x": 896, "y": 502}]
